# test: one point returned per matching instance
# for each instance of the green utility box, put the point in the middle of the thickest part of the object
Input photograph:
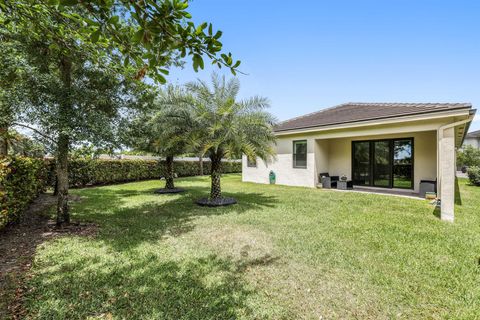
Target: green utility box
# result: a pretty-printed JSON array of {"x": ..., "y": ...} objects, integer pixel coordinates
[{"x": 272, "y": 177}]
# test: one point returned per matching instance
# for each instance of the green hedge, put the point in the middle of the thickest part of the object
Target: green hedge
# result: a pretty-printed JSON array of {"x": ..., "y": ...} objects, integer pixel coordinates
[
  {"x": 21, "y": 181},
  {"x": 83, "y": 172}
]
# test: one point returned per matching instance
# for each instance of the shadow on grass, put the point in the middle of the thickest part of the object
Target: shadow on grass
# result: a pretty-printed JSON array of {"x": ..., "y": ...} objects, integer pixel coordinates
[
  {"x": 143, "y": 288},
  {"x": 126, "y": 222},
  {"x": 458, "y": 196},
  {"x": 132, "y": 281},
  {"x": 437, "y": 212}
]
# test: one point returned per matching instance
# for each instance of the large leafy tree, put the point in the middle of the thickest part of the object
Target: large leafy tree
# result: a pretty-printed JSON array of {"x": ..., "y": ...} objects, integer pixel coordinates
[
  {"x": 226, "y": 126},
  {"x": 83, "y": 51},
  {"x": 73, "y": 94},
  {"x": 12, "y": 68},
  {"x": 150, "y": 34}
]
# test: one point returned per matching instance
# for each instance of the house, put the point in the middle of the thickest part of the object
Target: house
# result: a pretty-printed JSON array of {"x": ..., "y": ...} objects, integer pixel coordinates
[
  {"x": 472, "y": 139},
  {"x": 376, "y": 145}
]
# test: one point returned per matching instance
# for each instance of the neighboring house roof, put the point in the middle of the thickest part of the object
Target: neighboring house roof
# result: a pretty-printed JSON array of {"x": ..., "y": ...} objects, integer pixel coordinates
[
  {"x": 473, "y": 134},
  {"x": 355, "y": 112}
]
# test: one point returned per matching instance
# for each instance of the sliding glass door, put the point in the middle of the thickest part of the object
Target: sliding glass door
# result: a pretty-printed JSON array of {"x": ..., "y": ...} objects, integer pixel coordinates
[
  {"x": 403, "y": 164},
  {"x": 361, "y": 163},
  {"x": 383, "y": 163}
]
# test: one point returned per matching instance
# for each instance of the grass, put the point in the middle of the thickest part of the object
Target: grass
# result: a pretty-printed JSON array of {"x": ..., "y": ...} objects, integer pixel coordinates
[{"x": 281, "y": 253}]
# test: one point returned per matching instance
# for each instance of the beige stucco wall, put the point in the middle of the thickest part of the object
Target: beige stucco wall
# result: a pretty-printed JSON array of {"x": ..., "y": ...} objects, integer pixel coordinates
[
  {"x": 322, "y": 156},
  {"x": 330, "y": 151},
  {"x": 282, "y": 165}
]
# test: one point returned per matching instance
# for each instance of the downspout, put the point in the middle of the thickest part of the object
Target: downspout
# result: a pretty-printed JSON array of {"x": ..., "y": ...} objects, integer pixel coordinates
[{"x": 440, "y": 131}]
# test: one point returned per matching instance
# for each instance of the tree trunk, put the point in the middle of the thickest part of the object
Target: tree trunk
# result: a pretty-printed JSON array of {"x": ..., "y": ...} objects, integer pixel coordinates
[
  {"x": 55, "y": 187},
  {"x": 216, "y": 189},
  {"x": 63, "y": 143},
  {"x": 169, "y": 173},
  {"x": 63, "y": 215},
  {"x": 200, "y": 164},
  {"x": 3, "y": 142}
]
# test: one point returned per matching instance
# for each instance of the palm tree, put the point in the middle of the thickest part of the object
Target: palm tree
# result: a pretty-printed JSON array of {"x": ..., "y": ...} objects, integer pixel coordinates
[
  {"x": 225, "y": 127},
  {"x": 152, "y": 132}
]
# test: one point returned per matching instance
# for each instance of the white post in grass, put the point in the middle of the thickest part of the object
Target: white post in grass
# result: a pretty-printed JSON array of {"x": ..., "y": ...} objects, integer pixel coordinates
[{"x": 447, "y": 174}]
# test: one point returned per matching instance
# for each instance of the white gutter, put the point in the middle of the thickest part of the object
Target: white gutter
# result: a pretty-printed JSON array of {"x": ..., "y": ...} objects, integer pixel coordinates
[{"x": 440, "y": 132}]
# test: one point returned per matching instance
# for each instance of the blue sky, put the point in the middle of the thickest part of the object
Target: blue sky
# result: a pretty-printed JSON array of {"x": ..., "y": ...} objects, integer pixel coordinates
[{"x": 308, "y": 55}]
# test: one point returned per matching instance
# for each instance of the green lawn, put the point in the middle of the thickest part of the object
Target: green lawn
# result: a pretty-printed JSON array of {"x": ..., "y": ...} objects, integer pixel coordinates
[{"x": 282, "y": 252}]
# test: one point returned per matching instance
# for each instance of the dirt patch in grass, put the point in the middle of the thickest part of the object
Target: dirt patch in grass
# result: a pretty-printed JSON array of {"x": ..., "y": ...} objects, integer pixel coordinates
[
  {"x": 239, "y": 244},
  {"x": 309, "y": 294},
  {"x": 298, "y": 289},
  {"x": 18, "y": 244}
]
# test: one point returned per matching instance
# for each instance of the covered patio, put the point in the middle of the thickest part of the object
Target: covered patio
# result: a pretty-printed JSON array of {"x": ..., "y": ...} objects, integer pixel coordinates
[
  {"x": 388, "y": 148},
  {"x": 384, "y": 163},
  {"x": 394, "y": 163}
]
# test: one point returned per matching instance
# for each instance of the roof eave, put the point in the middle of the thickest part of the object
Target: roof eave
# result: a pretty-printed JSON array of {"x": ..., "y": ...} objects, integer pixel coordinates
[
  {"x": 374, "y": 121},
  {"x": 467, "y": 126}
]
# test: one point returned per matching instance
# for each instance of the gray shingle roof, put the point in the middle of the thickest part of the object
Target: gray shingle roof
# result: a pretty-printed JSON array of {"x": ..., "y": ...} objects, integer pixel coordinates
[
  {"x": 355, "y": 112},
  {"x": 473, "y": 134}
]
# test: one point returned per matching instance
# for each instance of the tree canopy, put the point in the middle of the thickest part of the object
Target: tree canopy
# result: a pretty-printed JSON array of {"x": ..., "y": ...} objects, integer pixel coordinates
[
  {"x": 12, "y": 67},
  {"x": 149, "y": 34},
  {"x": 231, "y": 127}
]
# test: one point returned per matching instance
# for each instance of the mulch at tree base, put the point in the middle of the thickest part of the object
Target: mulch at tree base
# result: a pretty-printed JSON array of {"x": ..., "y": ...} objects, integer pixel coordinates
[
  {"x": 18, "y": 244},
  {"x": 207, "y": 202},
  {"x": 169, "y": 191}
]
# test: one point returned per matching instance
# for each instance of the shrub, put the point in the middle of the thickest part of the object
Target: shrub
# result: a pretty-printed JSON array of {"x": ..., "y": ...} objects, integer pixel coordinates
[
  {"x": 21, "y": 181},
  {"x": 474, "y": 175},
  {"x": 89, "y": 172},
  {"x": 468, "y": 156},
  {"x": 84, "y": 172}
]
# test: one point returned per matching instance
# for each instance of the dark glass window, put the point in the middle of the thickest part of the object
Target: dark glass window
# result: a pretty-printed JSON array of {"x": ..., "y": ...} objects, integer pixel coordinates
[
  {"x": 251, "y": 162},
  {"x": 300, "y": 154},
  {"x": 381, "y": 165},
  {"x": 361, "y": 163}
]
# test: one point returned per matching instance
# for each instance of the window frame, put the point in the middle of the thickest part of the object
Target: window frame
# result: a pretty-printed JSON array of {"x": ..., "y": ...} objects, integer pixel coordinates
[{"x": 294, "y": 142}]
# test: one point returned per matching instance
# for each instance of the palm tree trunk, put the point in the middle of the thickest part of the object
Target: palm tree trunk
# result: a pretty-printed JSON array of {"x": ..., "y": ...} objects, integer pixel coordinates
[
  {"x": 169, "y": 173},
  {"x": 216, "y": 189},
  {"x": 200, "y": 164}
]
